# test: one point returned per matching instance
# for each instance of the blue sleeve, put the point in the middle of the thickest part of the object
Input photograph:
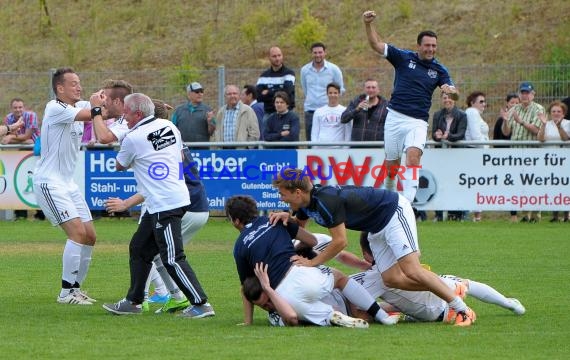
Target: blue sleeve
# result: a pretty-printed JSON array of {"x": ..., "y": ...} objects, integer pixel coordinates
[
  {"x": 174, "y": 119},
  {"x": 269, "y": 133}
]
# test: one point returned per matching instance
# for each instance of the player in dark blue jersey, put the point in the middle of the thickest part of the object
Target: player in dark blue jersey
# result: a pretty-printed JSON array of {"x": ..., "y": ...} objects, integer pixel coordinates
[
  {"x": 386, "y": 215},
  {"x": 417, "y": 75},
  {"x": 270, "y": 248}
]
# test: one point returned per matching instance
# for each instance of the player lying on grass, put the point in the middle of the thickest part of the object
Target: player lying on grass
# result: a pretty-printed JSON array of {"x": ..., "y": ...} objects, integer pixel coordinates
[
  {"x": 303, "y": 288},
  {"x": 331, "y": 310},
  {"x": 386, "y": 215},
  {"x": 423, "y": 305},
  {"x": 415, "y": 305}
]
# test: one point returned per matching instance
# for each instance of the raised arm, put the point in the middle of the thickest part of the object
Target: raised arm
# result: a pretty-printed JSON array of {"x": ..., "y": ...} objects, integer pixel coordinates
[{"x": 373, "y": 38}]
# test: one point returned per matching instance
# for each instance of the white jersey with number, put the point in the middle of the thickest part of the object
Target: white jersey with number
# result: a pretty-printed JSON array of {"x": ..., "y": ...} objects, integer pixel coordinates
[
  {"x": 153, "y": 149},
  {"x": 60, "y": 142},
  {"x": 119, "y": 128}
]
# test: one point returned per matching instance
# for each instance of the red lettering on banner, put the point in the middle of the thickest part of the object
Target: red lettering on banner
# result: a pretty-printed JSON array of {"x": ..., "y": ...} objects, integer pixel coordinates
[
  {"x": 316, "y": 166},
  {"x": 356, "y": 173}
]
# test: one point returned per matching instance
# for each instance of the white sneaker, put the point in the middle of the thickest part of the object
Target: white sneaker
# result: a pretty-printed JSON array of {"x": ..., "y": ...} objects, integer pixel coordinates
[
  {"x": 83, "y": 295},
  {"x": 74, "y": 299},
  {"x": 340, "y": 319},
  {"x": 517, "y": 307}
]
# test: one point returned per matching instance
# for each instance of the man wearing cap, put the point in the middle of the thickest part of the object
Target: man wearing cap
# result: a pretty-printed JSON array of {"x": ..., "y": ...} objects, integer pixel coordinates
[
  {"x": 195, "y": 120},
  {"x": 523, "y": 124}
]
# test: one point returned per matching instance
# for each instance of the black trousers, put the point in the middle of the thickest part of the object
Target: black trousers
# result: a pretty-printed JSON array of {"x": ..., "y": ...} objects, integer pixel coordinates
[{"x": 162, "y": 233}]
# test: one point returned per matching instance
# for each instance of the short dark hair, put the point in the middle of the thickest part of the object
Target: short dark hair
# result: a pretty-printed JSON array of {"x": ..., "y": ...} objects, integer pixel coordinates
[
  {"x": 424, "y": 33},
  {"x": 16, "y": 99},
  {"x": 251, "y": 288},
  {"x": 250, "y": 90},
  {"x": 333, "y": 85},
  {"x": 512, "y": 95},
  {"x": 318, "y": 44},
  {"x": 283, "y": 96},
  {"x": 241, "y": 207},
  {"x": 473, "y": 96},
  {"x": 58, "y": 77}
]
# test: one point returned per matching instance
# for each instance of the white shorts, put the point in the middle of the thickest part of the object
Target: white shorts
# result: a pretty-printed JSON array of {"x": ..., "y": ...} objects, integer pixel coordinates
[
  {"x": 304, "y": 288},
  {"x": 192, "y": 222},
  {"x": 402, "y": 132},
  {"x": 421, "y": 305},
  {"x": 398, "y": 239},
  {"x": 62, "y": 202}
]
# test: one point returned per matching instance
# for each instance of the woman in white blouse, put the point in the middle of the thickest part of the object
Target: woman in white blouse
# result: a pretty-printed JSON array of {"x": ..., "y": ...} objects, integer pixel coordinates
[
  {"x": 477, "y": 127},
  {"x": 555, "y": 129}
]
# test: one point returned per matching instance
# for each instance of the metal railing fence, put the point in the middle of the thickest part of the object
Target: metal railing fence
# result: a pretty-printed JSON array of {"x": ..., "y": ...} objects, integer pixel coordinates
[{"x": 551, "y": 82}]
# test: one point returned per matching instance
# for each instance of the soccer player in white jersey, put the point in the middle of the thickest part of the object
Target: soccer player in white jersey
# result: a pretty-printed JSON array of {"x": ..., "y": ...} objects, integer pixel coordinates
[
  {"x": 115, "y": 92},
  {"x": 153, "y": 149},
  {"x": 56, "y": 192}
]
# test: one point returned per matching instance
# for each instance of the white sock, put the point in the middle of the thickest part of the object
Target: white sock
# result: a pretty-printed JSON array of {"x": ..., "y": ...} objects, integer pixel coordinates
[
  {"x": 155, "y": 278},
  {"x": 71, "y": 260},
  {"x": 487, "y": 294},
  {"x": 84, "y": 262},
  {"x": 357, "y": 294},
  {"x": 458, "y": 305},
  {"x": 410, "y": 184},
  {"x": 175, "y": 292},
  {"x": 390, "y": 183}
]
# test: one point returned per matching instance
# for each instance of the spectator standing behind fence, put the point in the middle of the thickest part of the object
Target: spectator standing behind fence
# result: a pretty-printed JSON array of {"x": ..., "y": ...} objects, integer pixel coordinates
[
  {"x": 523, "y": 124},
  {"x": 511, "y": 100},
  {"x": 477, "y": 127},
  {"x": 284, "y": 124},
  {"x": 236, "y": 120},
  {"x": 368, "y": 113},
  {"x": 315, "y": 78},
  {"x": 555, "y": 129},
  {"x": 195, "y": 120},
  {"x": 418, "y": 74},
  {"x": 449, "y": 124},
  {"x": 21, "y": 135},
  {"x": 6, "y": 129},
  {"x": 248, "y": 96},
  {"x": 327, "y": 125},
  {"x": 26, "y": 134},
  {"x": 277, "y": 78}
]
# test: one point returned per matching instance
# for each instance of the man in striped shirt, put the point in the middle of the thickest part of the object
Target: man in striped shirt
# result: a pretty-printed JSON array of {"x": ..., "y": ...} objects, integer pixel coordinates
[{"x": 523, "y": 124}]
